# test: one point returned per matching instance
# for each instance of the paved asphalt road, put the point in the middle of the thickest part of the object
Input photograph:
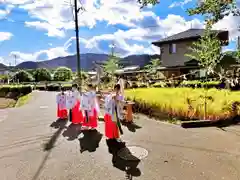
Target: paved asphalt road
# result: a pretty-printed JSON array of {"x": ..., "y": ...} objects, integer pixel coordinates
[{"x": 173, "y": 153}]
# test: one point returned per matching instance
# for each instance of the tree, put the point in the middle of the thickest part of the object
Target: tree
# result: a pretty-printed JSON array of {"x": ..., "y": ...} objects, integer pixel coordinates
[
  {"x": 214, "y": 10},
  {"x": 207, "y": 50},
  {"x": 153, "y": 65},
  {"x": 42, "y": 74},
  {"x": 31, "y": 71},
  {"x": 111, "y": 65},
  {"x": 62, "y": 74},
  {"x": 22, "y": 76},
  {"x": 146, "y": 2}
]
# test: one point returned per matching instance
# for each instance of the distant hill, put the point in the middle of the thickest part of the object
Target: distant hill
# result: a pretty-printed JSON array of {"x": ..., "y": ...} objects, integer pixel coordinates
[
  {"x": 87, "y": 61},
  {"x": 2, "y": 66}
]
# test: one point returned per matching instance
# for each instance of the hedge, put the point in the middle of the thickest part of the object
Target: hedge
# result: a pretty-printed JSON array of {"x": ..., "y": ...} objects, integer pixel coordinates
[
  {"x": 16, "y": 90},
  {"x": 53, "y": 87}
]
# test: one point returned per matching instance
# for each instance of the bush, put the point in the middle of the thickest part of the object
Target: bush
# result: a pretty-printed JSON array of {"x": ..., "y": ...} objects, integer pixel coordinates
[
  {"x": 15, "y": 90},
  {"x": 184, "y": 103},
  {"x": 62, "y": 74},
  {"x": 42, "y": 74},
  {"x": 23, "y": 76}
]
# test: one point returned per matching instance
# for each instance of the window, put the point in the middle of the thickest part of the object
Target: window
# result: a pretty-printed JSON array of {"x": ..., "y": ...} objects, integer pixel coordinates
[{"x": 172, "y": 48}]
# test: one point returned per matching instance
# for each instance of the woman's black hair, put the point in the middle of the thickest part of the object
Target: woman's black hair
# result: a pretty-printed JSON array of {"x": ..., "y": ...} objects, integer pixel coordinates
[
  {"x": 74, "y": 86},
  {"x": 90, "y": 85},
  {"x": 117, "y": 86},
  {"x": 62, "y": 89}
]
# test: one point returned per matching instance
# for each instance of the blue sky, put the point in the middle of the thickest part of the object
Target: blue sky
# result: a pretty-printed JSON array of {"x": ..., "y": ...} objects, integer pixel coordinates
[{"x": 36, "y": 30}]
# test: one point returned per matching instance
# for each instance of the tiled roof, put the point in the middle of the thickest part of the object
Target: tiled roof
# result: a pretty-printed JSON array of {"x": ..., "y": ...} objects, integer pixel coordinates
[{"x": 188, "y": 34}]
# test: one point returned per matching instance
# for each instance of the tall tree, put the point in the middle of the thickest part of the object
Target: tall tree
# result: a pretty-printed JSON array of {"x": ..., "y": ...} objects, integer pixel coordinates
[
  {"x": 111, "y": 65},
  {"x": 207, "y": 50},
  {"x": 152, "y": 66}
]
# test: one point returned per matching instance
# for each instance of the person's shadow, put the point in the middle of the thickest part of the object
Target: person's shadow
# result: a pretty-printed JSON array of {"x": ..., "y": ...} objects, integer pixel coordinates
[
  {"x": 131, "y": 126},
  {"x": 72, "y": 132},
  {"x": 59, "y": 123},
  {"x": 123, "y": 159},
  {"x": 90, "y": 140}
]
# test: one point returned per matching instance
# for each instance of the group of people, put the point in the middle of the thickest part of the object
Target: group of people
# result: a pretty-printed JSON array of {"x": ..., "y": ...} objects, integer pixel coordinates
[{"x": 84, "y": 109}]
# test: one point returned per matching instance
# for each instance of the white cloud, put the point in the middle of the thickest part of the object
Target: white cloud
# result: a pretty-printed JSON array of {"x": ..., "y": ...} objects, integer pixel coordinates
[
  {"x": 181, "y": 3},
  {"x": 4, "y": 36},
  {"x": 53, "y": 31},
  {"x": 36, "y": 56},
  {"x": 230, "y": 23},
  {"x": 56, "y": 15}
]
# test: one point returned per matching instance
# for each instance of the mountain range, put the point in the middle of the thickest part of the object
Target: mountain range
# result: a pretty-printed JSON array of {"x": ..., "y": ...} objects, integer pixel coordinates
[{"x": 87, "y": 61}]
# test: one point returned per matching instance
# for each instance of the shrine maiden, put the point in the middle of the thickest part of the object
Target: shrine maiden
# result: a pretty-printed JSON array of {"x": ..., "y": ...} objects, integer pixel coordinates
[
  {"x": 61, "y": 105},
  {"x": 112, "y": 114},
  {"x": 74, "y": 104},
  {"x": 90, "y": 108}
]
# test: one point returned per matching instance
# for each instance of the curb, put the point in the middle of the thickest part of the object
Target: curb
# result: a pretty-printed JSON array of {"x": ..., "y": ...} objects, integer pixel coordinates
[{"x": 198, "y": 124}]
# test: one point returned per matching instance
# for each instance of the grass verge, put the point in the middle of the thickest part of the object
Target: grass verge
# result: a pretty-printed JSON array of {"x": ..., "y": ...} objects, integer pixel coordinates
[{"x": 23, "y": 100}]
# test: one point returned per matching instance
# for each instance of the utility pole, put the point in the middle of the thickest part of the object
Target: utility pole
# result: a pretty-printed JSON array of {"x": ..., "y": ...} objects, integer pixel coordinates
[
  {"x": 238, "y": 43},
  {"x": 76, "y": 10}
]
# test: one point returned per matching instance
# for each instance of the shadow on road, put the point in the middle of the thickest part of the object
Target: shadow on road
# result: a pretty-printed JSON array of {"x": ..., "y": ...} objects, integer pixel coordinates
[
  {"x": 60, "y": 124},
  {"x": 123, "y": 159},
  {"x": 131, "y": 126},
  {"x": 72, "y": 132},
  {"x": 90, "y": 140}
]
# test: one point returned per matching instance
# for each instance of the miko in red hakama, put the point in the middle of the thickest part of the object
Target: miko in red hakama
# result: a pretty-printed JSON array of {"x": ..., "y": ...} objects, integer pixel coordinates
[
  {"x": 90, "y": 110},
  {"x": 62, "y": 112},
  {"x": 74, "y": 104},
  {"x": 112, "y": 117}
]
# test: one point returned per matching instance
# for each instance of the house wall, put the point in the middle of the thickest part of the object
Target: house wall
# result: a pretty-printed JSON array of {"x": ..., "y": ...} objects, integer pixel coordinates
[{"x": 178, "y": 58}]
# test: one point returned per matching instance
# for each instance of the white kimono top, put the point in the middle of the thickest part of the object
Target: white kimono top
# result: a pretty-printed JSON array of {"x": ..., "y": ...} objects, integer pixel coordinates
[
  {"x": 89, "y": 102},
  {"x": 72, "y": 98},
  {"x": 110, "y": 105},
  {"x": 61, "y": 101}
]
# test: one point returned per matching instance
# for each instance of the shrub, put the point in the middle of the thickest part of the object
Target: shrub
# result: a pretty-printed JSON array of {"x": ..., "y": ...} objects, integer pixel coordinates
[
  {"x": 23, "y": 76},
  {"x": 185, "y": 103},
  {"x": 62, "y": 74},
  {"x": 15, "y": 90},
  {"x": 42, "y": 74}
]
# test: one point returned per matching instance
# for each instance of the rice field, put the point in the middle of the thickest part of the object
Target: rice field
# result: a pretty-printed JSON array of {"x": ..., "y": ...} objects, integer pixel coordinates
[{"x": 186, "y": 103}]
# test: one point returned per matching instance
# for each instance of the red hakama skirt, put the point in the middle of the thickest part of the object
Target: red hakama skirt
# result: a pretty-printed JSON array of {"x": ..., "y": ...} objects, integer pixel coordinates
[
  {"x": 111, "y": 128},
  {"x": 77, "y": 116},
  {"x": 92, "y": 120},
  {"x": 62, "y": 113}
]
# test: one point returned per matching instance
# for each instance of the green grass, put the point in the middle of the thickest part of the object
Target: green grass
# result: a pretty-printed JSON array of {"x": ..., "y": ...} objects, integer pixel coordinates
[
  {"x": 23, "y": 100},
  {"x": 184, "y": 102}
]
